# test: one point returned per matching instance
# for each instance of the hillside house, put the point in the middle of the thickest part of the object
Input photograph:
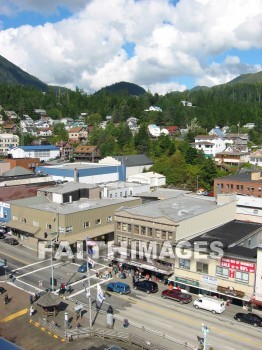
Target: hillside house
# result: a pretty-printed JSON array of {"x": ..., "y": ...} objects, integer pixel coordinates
[
  {"x": 77, "y": 134},
  {"x": 87, "y": 154}
]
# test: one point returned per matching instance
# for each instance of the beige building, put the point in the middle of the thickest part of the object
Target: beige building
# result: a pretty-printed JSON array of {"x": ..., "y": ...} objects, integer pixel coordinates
[
  {"x": 7, "y": 140},
  {"x": 69, "y": 212}
]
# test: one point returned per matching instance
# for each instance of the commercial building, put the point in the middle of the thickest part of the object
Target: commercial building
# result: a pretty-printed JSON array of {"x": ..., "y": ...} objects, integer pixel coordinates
[{"x": 249, "y": 184}]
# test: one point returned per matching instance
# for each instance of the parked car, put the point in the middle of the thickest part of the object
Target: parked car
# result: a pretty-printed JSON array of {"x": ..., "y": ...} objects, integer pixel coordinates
[
  {"x": 216, "y": 306},
  {"x": 118, "y": 287},
  {"x": 173, "y": 294},
  {"x": 11, "y": 241},
  {"x": 2, "y": 290},
  {"x": 83, "y": 268},
  {"x": 146, "y": 286},
  {"x": 250, "y": 318},
  {"x": 2, "y": 235}
]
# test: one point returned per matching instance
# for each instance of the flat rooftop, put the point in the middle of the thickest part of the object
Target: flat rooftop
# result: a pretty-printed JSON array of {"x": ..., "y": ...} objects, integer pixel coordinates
[
  {"x": 176, "y": 208},
  {"x": 67, "y": 187},
  {"x": 78, "y": 166},
  {"x": 42, "y": 203}
]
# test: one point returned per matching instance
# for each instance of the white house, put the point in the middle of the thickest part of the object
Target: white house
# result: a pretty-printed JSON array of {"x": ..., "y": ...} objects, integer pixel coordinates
[
  {"x": 209, "y": 144},
  {"x": 43, "y": 152},
  {"x": 256, "y": 157},
  {"x": 151, "y": 178}
]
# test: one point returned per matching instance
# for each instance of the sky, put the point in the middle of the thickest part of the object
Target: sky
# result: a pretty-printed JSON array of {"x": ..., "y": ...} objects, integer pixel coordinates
[{"x": 160, "y": 45}]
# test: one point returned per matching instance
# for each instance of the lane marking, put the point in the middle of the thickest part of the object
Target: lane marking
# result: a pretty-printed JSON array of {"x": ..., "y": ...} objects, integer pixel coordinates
[
  {"x": 163, "y": 324},
  {"x": 34, "y": 271},
  {"x": 29, "y": 265},
  {"x": 13, "y": 316},
  {"x": 12, "y": 257}
]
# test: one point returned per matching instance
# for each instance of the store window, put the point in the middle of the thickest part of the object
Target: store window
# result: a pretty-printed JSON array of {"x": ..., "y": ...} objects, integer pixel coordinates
[
  {"x": 221, "y": 271},
  {"x": 201, "y": 267},
  {"x": 184, "y": 264},
  {"x": 242, "y": 277}
]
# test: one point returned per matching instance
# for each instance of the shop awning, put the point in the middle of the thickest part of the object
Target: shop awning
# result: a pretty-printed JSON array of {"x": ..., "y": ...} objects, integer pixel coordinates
[
  {"x": 173, "y": 279},
  {"x": 22, "y": 227}
]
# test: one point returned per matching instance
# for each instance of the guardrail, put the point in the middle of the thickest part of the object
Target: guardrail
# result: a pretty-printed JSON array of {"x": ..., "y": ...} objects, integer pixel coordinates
[{"x": 129, "y": 338}]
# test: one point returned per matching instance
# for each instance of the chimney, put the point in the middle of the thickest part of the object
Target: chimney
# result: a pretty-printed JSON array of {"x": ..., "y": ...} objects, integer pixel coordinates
[{"x": 76, "y": 177}]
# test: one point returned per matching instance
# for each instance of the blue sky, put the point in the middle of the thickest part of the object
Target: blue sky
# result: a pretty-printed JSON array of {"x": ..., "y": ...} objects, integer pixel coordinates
[{"x": 160, "y": 45}]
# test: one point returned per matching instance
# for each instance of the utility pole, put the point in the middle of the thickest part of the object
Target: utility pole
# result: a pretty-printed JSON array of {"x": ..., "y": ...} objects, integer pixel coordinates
[
  {"x": 88, "y": 293},
  {"x": 205, "y": 331}
]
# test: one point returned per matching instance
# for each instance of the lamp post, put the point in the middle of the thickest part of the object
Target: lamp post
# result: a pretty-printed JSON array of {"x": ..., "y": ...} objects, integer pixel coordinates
[
  {"x": 197, "y": 182},
  {"x": 88, "y": 291},
  {"x": 205, "y": 331}
]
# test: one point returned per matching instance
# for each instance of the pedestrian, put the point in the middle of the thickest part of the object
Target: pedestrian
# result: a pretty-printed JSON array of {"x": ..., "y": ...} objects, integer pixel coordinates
[
  {"x": 32, "y": 310},
  {"x": 125, "y": 323},
  {"x": 6, "y": 299},
  {"x": 31, "y": 299}
]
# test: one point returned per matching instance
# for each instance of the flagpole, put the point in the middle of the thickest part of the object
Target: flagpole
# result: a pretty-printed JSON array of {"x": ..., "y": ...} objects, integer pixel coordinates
[{"x": 89, "y": 290}]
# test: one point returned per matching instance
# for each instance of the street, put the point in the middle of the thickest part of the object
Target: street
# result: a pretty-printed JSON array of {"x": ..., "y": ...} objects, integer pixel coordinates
[{"x": 167, "y": 317}]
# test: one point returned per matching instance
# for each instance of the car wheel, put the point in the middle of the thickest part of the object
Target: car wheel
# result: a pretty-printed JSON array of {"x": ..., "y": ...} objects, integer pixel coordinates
[
  {"x": 120, "y": 293},
  {"x": 164, "y": 296},
  {"x": 135, "y": 287},
  {"x": 238, "y": 320},
  {"x": 213, "y": 312},
  {"x": 196, "y": 306},
  {"x": 181, "y": 302},
  {"x": 148, "y": 291},
  {"x": 255, "y": 325}
]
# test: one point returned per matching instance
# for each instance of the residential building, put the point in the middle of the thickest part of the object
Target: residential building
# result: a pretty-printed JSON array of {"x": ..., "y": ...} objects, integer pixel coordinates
[
  {"x": 9, "y": 127},
  {"x": 239, "y": 141},
  {"x": 210, "y": 145},
  {"x": 87, "y": 154},
  {"x": 173, "y": 130},
  {"x": 249, "y": 184},
  {"x": 7, "y": 141},
  {"x": 77, "y": 134},
  {"x": 255, "y": 158},
  {"x": 43, "y": 152},
  {"x": 150, "y": 178},
  {"x": 66, "y": 149},
  {"x": 231, "y": 156}
]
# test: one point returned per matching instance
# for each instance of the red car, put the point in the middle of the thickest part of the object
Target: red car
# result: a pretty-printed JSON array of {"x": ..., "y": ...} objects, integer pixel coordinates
[{"x": 173, "y": 294}]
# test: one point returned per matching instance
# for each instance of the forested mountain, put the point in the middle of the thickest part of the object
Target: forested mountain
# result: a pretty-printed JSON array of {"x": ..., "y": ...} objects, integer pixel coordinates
[
  {"x": 247, "y": 79},
  {"x": 123, "y": 87},
  {"x": 10, "y": 74}
]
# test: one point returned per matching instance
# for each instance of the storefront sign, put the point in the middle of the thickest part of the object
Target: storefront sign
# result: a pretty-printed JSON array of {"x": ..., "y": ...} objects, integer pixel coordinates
[
  {"x": 209, "y": 280},
  {"x": 187, "y": 281},
  {"x": 238, "y": 265}
]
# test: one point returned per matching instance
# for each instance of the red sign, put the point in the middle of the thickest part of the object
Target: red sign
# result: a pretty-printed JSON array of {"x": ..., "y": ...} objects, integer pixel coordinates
[
  {"x": 238, "y": 265},
  {"x": 232, "y": 273}
]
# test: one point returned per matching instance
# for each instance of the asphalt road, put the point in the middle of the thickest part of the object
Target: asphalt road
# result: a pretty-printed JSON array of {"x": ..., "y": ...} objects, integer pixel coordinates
[{"x": 164, "y": 316}]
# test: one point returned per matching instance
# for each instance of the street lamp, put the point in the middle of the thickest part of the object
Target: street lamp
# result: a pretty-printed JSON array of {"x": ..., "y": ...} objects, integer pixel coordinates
[
  {"x": 205, "y": 331},
  {"x": 197, "y": 182}
]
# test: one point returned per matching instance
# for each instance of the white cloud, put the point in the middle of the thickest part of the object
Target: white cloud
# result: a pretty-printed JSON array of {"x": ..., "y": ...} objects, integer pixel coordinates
[{"x": 86, "y": 50}]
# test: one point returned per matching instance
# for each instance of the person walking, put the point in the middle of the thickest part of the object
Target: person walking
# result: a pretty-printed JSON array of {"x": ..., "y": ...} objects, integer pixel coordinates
[
  {"x": 6, "y": 299},
  {"x": 31, "y": 299}
]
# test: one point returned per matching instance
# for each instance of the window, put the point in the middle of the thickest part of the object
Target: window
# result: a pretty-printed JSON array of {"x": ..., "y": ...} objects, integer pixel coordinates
[
  {"x": 184, "y": 264},
  {"x": 163, "y": 235},
  {"x": 201, "y": 267},
  {"x": 143, "y": 230},
  {"x": 109, "y": 218},
  {"x": 242, "y": 187},
  {"x": 129, "y": 227},
  {"x": 69, "y": 228},
  {"x": 118, "y": 225},
  {"x": 242, "y": 276},
  {"x": 252, "y": 189},
  {"x": 222, "y": 271},
  {"x": 136, "y": 229},
  {"x": 124, "y": 227},
  {"x": 86, "y": 224},
  {"x": 5, "y": 214},
  {"x": 170, "y": 236},
  {"x": 23, "y": 220},
  {"x": 248, "y": 188},
  {"x": 149, "y": 231},
  {"x": 231, "y": 186},
  {"x": 98, "y": 221},
  {"x": 158, "y": 233},
  {"x": 48, "y": 226}
]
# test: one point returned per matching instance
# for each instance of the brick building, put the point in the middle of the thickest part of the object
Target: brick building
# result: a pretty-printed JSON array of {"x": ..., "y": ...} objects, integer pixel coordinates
[{"x": 249, "y": 184}]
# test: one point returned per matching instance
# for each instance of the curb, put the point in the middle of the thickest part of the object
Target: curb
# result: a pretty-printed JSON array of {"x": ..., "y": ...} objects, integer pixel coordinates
[{"x": 44, "y": 329}]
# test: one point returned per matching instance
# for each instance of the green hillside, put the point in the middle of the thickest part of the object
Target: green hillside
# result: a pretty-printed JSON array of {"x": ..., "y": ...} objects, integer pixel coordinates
[{"x": 10, "y": 74}]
